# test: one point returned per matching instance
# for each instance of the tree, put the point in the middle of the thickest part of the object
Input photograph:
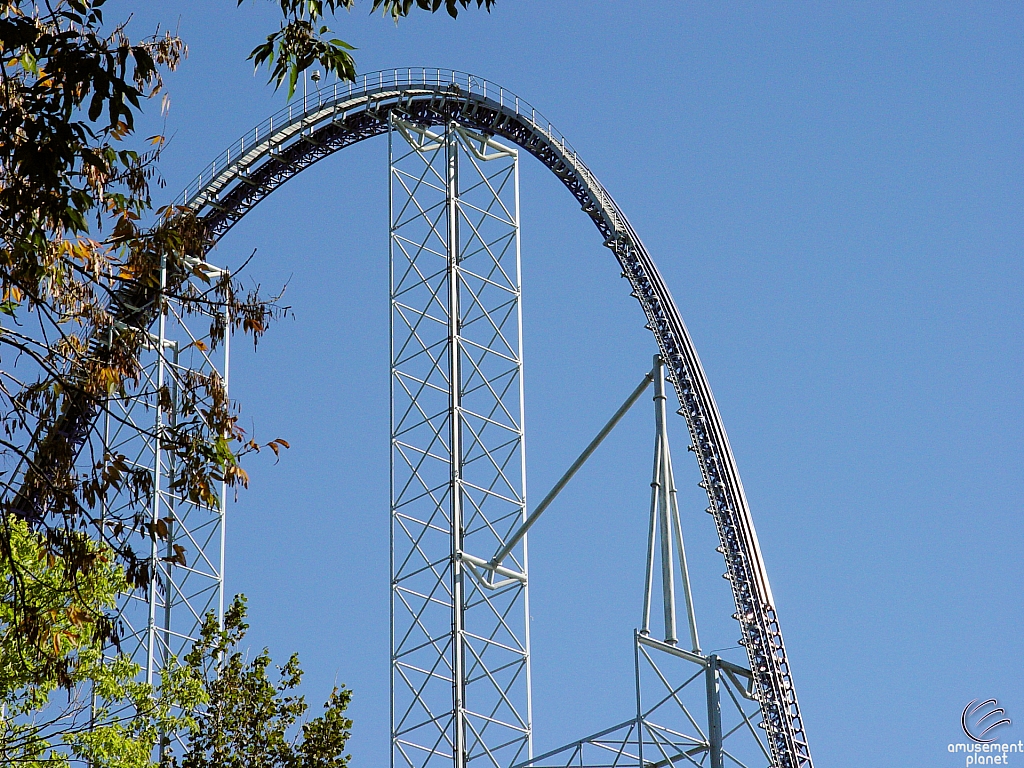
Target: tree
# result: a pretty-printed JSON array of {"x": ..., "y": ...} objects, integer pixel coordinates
[
  {"x": 60, "y": 697},
  {"x": 300, "y": 43},
  {"x": 88, "y": 261},
  {"x": 251, "y": 720},
  {"x": 82, "y": 249},
  {"x": 74, "y": 253},
  {"x": 226, "y": 712}
]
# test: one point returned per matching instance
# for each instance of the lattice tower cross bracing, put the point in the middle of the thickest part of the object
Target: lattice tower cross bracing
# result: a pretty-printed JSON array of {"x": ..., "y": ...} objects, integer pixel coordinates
[
  {"x": 459, "y": 624},
  {"x": 184, "y": 365}
]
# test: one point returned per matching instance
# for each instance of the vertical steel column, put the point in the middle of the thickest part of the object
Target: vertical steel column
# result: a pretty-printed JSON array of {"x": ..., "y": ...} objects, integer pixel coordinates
[
  {"x": 676, "y": 523},
  {"x": 524, "y": 548},
  {"x": 391, "y": 421},
  {"x": 171, "y": 472},
  {"x": 223, "y": 511},
  {"x": 158, "y": 475},
  {"x": 712, "y": 680},
  {"x": 460, "y": 640},
  {"x": 455, "y": 438},
  {"x": 668, "y": 584},
  {"x": 639, "y": 725},
  {"x": 652, "y": 533}
]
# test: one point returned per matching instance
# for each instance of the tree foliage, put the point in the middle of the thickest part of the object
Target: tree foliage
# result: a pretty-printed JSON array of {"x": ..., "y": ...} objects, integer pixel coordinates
[
  {"x": 88, "y": 262},
  {"x": 82, "y": 251},
  {"x": 250, "y": 719},
  {"x": 303, "y": 40},
  {"x": 61, "y": 698},
  {"x": 63, "y": 701}
]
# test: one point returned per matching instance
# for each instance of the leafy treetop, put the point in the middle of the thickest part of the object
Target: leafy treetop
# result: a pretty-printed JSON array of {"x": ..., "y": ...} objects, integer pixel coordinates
[{"x": 87, "y": 264}]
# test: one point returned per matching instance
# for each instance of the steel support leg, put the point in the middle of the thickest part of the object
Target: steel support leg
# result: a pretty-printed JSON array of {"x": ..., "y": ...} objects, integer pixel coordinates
[
  {"x": 713, "y": 683},
  {"x": 455, "y": 438}
]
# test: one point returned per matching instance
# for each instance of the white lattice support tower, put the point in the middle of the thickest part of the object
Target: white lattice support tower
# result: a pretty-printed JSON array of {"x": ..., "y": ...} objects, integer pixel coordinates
[
  {"x": 184, "y": 370},
  {"x": 460, "y": 634}
]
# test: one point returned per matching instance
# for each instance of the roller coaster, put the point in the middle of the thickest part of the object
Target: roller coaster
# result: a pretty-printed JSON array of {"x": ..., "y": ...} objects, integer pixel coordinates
[{"x": 459, "y": 517}]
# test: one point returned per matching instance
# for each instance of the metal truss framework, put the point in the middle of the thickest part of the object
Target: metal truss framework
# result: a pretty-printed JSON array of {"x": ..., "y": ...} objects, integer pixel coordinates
[
  {"x": 460, "y": 635},
  {"x": 340, "y": 115},
  {"x": 680, "y": 718},
  {"x": 184, "y": 368}
]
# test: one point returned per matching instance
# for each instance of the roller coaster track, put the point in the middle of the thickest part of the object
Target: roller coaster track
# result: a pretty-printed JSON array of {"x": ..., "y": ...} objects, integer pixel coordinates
[{"x": 338, "y": 116}]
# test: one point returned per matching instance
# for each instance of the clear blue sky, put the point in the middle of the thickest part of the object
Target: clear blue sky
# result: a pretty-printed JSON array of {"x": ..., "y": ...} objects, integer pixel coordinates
[{"x": 834, "y": 194}]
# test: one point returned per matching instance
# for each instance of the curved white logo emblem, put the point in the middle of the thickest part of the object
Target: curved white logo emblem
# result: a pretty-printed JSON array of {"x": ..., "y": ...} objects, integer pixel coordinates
[{"x": 992, "y": 716}]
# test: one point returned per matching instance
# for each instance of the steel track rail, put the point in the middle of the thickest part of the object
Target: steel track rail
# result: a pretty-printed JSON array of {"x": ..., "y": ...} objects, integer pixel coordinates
[{"x": 337, "y": 116}]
